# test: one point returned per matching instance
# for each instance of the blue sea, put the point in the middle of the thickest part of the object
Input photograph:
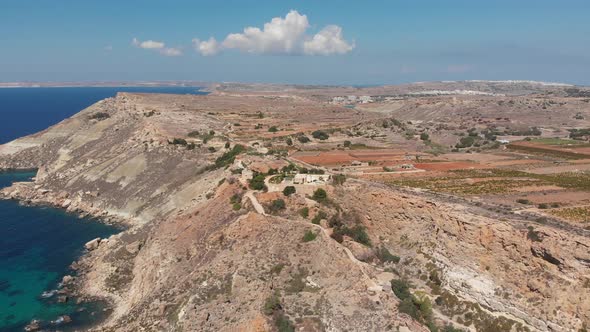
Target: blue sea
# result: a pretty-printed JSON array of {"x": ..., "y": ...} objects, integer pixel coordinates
[
  {"x": 25, "y": 111},
  {"x": 38, "y": 244}
]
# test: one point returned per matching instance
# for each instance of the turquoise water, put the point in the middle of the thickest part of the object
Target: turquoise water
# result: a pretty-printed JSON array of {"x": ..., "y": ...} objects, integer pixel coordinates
[{"x": 37, "y": 245}]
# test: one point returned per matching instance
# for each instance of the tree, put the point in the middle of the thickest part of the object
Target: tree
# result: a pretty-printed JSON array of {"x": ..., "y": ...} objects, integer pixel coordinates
[
  {"x": 289, "y": 190},
  {"x": 257, "y": 182},
  {"x": 320, "y": 134},
  {"x": 319, "y": 195},
  {"x": 309, "y": 236},
  {"x": 303, "y": 139},
  {"x": 289, "y": 141},
  {"x": 338, "y": 179},
  {"x": 277, "y": 205},
  {"x": 424, "y": 137}
]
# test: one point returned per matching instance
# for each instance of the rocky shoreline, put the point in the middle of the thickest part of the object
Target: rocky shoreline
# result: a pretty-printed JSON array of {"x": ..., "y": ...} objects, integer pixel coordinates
[{"x": 72, "y": 285}]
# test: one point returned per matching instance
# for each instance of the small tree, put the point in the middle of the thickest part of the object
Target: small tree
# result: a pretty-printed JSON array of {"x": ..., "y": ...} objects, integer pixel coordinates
[
  {"x": 303, "y": 139},
  {"x": 289, "y": 190},
  {"x": 319, "y": 195},
  {"x": 320, "y": 134},
  {"x": 424, "y": 137},
  {"x": 338, "y": 179},
  {"x": 277, "y": 205}
]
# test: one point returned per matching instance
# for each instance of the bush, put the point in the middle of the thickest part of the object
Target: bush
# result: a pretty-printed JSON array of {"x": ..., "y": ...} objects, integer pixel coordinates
[
  {"x": 273, "y": 129},
  {"x": 533, "y": 235},
  {"x": 347, "y": 144},
  {"x": 318, "y": 217},
  {"x": 99, "y": 116},
  {"x": 356, "y": 233},
  {"x": 309, "y": 236},
  {"x": 289, "y": 190},
  {"x": 211, "y": 149},
  {"x": 319, "y": 195},
  {"x": 236, "y": 206},
  {"x": 303, "y": 139},
  {"x": 277, "y": 205},
  {"x": 465, "y": 142},
  {"x": 424, "y": 137},
  {"x": 228, "y": 157},
  {"x": 385, "y": 256},
  {"x": 194, "y": 133},
  {"x": 289, "y": 141},
  {"x": 401, "y": 289},
  {"x": 338, "y": 179},
  {"x": 257, "y": 182},
  {"x": 320, "y": 134},
  {"x": 272, "y": 304},
  {"x": 523, "y": 201},
  {"x": 543, "y": 206},
  {"x": 178, "y": 141},
  {"x": 304, "y": 212}
]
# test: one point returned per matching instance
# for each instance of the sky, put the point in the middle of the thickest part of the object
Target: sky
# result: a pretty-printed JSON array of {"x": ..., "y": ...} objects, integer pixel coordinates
[{"x": 308, "y": 42}]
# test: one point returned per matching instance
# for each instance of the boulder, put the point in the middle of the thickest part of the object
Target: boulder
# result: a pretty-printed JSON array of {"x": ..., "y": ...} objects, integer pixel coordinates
[
  {"x": 92, "y": 244},
  {"x": 67, "y": 279},
  {"x": 34, "y": 325}
]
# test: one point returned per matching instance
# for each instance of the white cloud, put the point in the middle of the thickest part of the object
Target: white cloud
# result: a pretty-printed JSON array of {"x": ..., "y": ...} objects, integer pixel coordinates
[
  {"x": 207, "y": 47},
  {"x": 158, "y": 46},
  {"x": 281, "y": 36},
  {"x": 326, "y": 42},
  {"x": 148, "y": 44},
  {"x": 171, "y": 51}
]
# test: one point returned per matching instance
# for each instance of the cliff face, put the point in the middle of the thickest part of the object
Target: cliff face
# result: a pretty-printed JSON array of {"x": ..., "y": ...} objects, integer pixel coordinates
[
  {"x": 524, "y": 270},
  {"x": 189, "y": 260}
]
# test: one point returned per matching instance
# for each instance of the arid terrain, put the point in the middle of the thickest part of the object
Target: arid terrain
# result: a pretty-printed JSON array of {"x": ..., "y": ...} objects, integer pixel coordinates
[{"x": 443, "y": 206}]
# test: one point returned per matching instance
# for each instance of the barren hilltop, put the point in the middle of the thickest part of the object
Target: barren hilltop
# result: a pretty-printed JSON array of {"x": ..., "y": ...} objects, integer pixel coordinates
[{"x": 440, "y": 206}]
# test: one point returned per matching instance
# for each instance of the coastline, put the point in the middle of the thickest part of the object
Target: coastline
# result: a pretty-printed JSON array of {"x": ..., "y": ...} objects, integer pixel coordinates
[{"x": 72, "y": 282}]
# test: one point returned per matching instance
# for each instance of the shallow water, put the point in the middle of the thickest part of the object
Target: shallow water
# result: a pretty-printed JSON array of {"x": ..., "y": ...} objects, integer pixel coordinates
[{"x": 37, "y": 245}]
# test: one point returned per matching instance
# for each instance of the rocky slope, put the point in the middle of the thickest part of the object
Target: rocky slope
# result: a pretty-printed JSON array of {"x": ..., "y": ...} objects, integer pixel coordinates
[{"x": 191, "y": 261}]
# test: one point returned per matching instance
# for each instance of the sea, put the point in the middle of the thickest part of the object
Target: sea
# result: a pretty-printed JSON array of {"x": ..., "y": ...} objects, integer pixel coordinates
[{"x": 39, "y": 243}]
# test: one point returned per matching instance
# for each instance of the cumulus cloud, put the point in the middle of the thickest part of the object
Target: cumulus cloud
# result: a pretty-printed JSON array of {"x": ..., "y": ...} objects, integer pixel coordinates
[
  {"x": 158, "y": 46},
  {"x": 207, "y": 47},
  {"x": 280, "y": 36}
]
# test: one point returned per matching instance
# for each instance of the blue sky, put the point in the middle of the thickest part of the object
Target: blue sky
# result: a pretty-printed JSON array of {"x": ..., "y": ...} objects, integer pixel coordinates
[{"x": 375, "y": 42}]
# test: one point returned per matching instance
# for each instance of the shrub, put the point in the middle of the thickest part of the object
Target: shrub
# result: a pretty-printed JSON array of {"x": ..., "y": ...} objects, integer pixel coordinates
[
  {"x": 257, "y": 182},
  {"x": 465, "y": 142},
  {"x": 304, "y": 212},
  {"x": 347, "y": 144},
  {"x": 338, "y": 179},
  {"x": 273, "y": 129},
  {"x": 385, "y": 256},
  {"x": 289, "y": 141},
  {"x": 277, "y": 205},
  {"x": 318, "y": 217},
  {"x": 523, "y": 201},
  {"x": 401, "y": 289},
  {"x": 320, "y": 134},
  {"x": 178, "y": 141},
  {"x": 356, "y": 233},
  {"x": 194, "y": 133},
  {"x": 211, "y": 149},
  {"x": 424, "y": 137},
  {"x": 99, "y": 116},
  {"x": 272, "y": 304},
  {"x": 309, "y": 236},
  {"x": 543, "y": 206},
  {"x": 319, "y": 195},
  {"x": 289, "y": 190},
  {"x": 228, "y": 157},
  {"x": 303, "y": 139},
  {"x": 236, "y": 206},
  {"x": 227, "y": 145}
]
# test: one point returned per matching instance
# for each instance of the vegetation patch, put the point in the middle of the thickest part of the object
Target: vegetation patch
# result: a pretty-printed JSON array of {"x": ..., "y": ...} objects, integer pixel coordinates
[{"x": 577, "y": 214}]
